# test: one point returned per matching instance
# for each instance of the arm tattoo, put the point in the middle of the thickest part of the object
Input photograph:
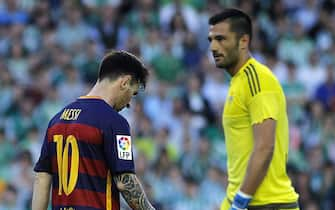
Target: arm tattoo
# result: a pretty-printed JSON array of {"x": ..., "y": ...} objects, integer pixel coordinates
[{"x": 132, "y": 191}]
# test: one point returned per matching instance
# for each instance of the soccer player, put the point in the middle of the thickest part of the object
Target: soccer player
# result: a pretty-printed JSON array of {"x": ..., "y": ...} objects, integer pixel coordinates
[
  {"x": 87, "y": 151},
  {"x": 254, "y": 120}
]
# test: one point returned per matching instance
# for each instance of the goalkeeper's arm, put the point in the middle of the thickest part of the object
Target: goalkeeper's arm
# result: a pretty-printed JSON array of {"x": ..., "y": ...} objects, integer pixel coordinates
[{"x": 264, "y": 136}]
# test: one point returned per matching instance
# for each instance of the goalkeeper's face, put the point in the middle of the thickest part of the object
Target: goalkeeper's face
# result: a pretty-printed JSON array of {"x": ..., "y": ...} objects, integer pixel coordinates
[{"x": 224, "y": 45}]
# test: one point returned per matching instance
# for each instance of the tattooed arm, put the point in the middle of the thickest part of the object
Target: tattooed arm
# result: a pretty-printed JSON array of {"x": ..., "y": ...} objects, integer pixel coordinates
[{"x": 132, "y": 191}]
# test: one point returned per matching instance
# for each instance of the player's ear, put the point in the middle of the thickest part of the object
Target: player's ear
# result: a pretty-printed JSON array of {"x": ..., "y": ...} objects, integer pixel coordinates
[
  {"x": 244, "y": 42},
  {"x": 125, "y": 82}
]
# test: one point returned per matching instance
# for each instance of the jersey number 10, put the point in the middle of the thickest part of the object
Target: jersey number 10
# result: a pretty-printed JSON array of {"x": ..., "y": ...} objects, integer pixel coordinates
[{"x": 66, "y": 183}]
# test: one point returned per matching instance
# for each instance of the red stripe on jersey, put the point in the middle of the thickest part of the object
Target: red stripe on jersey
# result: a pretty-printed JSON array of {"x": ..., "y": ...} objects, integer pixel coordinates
[
  {"x": 86, "y": 166},
  {"x": 92, "y": 167},
  {"x": 84, "y": 198},
  {"x": 82, "y": 132},
  {"x": 79, "y": 198}
]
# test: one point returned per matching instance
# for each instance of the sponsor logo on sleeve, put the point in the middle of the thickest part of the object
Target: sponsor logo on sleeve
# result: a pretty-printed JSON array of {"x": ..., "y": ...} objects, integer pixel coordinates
[{"x": 124, "y": 147}]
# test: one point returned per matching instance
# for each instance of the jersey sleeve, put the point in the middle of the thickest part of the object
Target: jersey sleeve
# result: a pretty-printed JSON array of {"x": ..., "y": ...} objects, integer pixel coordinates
[
  {"x": 118, "y": 147},
  {"x": 44, "y": 162},
  {"x": 263, "y": 106}
]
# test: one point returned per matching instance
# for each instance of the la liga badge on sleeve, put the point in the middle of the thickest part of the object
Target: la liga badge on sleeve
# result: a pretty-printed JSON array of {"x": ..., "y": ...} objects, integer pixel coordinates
[{"x": 124, "y": 147}]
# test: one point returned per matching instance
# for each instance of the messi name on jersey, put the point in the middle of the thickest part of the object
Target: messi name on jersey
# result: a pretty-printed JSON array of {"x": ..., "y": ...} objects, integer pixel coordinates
[{"x": 70, "y": 114}]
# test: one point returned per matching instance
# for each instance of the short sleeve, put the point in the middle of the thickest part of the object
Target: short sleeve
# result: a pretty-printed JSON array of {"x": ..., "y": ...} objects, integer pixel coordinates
[
  {"x": 44, "y": 162},
  {"x": 118, "y": 147},
  {"x": 263, "y": 106}
]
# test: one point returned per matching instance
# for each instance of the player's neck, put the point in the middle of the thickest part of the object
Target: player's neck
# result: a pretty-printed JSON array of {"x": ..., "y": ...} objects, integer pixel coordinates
[
  {"x": 100, "y": 90},
  {"x": 243, "y": 59}
]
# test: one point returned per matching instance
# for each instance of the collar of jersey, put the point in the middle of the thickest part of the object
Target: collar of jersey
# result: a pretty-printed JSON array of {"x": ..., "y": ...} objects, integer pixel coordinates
[
  {"x": 243, "y": 67},
  {"x": 90, "y": 97}
]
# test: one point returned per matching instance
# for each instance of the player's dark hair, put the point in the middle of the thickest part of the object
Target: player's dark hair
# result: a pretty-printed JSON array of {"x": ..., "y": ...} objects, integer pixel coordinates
[
  {"x": 117, "y": 63},
  {"x": 240, "y": 22}
]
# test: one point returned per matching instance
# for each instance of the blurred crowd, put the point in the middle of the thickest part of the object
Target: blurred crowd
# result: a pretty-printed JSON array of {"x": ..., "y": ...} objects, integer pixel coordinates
[{"x": 50, "y": 52}]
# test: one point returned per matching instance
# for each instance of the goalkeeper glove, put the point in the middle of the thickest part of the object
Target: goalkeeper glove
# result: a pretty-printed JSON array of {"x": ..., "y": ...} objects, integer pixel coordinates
[{"x": 241, "y": 201}]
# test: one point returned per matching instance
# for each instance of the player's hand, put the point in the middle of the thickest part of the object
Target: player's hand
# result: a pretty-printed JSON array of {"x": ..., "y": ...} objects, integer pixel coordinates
[{"x": 241, "y": 201}]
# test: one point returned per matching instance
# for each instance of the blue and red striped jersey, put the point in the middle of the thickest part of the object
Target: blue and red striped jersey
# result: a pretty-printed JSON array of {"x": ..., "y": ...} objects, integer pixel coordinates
[{"x": 85, "y": 144}]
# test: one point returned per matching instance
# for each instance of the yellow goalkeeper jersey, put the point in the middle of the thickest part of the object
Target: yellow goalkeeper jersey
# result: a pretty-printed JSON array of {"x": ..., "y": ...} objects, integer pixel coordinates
[{"x": 255, "y": 95}]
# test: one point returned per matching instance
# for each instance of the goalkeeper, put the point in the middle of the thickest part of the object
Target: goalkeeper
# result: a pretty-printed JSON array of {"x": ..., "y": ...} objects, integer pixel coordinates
[{"x": 254, "y": 120}]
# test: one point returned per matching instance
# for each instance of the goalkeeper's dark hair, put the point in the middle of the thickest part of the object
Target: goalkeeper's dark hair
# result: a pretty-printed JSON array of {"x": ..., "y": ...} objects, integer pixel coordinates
[
  {"x": 240, "y": 22},
  {"x": 118, "y": 63}
]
